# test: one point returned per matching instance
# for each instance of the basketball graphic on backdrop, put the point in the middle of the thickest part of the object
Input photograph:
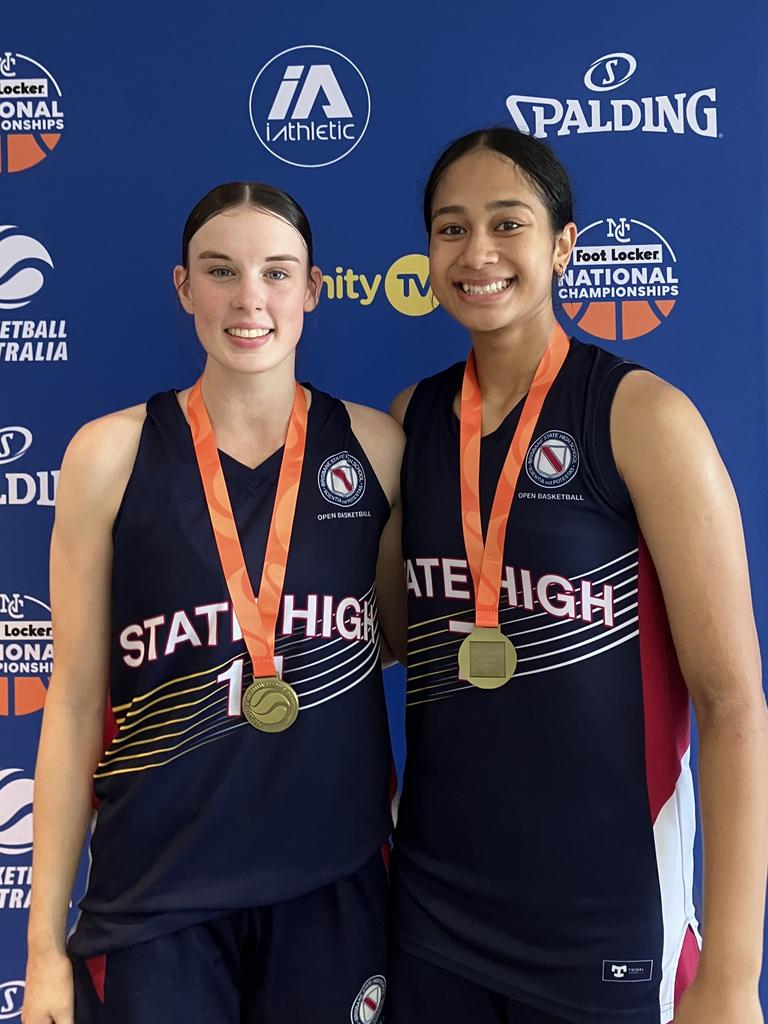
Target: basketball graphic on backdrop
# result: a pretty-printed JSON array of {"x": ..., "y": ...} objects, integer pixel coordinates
[
  {"x": 31, "y": 112},
  {"x": 26, "y": 653},
  {"x": 621, "y": 282}
]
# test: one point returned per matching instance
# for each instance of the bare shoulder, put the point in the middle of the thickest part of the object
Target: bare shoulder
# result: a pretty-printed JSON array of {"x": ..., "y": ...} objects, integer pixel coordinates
[
  {"x": 374, "y": 423},
  {"x": 642, "y": 395},
  {"x": 99, "y": 458},
  {"x": 383, "y": 442},
  {"x": 654, "y": 423},
  {"x": 400, "y": 403}
]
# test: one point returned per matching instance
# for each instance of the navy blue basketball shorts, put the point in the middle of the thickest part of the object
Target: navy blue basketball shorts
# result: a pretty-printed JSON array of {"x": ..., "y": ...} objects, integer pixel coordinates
[
  {"x": 420, "y": 992},
  {"x": 320, "y": 957}
]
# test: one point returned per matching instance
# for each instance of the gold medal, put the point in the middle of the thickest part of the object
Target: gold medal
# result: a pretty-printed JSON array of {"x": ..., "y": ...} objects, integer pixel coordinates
[
  {"x": 270, "y": 705},
  {"x": 487, "y": 658}
]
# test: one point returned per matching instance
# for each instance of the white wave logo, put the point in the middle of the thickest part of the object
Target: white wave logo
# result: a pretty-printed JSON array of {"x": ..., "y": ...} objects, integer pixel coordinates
[
  {"x": 15, "y": 812},
  {"x": 14, "y": 442},
  {"x": 18, "y": 289}
]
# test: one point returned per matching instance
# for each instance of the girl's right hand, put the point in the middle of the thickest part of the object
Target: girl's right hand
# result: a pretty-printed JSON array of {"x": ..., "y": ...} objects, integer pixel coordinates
[{"x": 49, "y": 996}]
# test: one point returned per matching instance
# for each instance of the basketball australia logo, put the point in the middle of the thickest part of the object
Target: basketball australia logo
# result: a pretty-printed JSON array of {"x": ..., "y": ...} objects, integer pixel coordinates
[
  {"x": 31, "y": 113},
  {"x": 341, "y": 479},
  {"x": 309, "y": 106},
  {"x": 622, "y": 280},
  {"x": 15, "y": 812},
  {"x": 553, "y": 459},
  {"x": 23, "y": 263}
]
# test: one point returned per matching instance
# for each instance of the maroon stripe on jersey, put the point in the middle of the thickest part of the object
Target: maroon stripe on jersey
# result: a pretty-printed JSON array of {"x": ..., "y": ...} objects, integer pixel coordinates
[
  {"x": 665, "y": 696},
  {"x": 97, "y": 968},
  {"x": 110, "y": 730},
  {"x": 687, "y": 965}
]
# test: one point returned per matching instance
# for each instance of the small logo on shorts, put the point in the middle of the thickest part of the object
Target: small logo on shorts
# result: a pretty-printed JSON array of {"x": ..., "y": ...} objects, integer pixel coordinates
[
  {"x": 553, "y": 459},
  {"x": 341, "y": 479},
  {"x": 627, "y": 970},
  {"x": 368, "y": 1006}
]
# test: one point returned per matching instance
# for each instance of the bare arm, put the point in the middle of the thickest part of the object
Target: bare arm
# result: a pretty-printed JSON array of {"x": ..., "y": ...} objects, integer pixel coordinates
[
  {"x": 94, "y": 472},
  {"x": 383, "y": 442},
  {"x": 690, "y": 519},
  {"x": 400, "y": 403}
]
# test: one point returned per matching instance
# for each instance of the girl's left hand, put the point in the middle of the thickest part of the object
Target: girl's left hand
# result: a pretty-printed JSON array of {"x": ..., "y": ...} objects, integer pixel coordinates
[{"x": 710, "y": 1003}]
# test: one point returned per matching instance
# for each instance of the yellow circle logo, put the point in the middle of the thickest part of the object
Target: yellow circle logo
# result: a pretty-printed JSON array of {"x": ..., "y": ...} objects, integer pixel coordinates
[{"x": 407, "y": 285}]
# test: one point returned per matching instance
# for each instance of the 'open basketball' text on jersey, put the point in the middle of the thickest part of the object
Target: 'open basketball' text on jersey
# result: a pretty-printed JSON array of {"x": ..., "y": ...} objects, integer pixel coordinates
[
  {"x": 544, "y": 840},
  {"x": 200, "y": 814}
]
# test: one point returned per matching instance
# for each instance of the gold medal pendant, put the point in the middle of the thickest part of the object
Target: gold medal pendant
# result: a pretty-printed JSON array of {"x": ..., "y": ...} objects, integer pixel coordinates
[
  {"x": 270, "y": 705},
  {"x": 487, "y": 658}
]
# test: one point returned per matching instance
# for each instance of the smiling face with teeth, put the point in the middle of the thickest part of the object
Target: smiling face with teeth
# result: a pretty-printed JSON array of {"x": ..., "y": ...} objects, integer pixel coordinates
[
  {"x": 248, "y": 287},
  {"x": 492, "y": 248}
]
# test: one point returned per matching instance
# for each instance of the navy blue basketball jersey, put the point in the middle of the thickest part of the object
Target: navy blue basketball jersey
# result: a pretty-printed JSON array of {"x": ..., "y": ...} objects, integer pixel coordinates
[
  {"x": 199, "y": 813},
  {"x": 544, "y": 838}
]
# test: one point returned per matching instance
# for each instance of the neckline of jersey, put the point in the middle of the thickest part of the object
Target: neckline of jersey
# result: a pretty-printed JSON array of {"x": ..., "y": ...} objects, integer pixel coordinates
[
  {"x": 509, "y": 421},
  {"x": 250, "y": 474}
]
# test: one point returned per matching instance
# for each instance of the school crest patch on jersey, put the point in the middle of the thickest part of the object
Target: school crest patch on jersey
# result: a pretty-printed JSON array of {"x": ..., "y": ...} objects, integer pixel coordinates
[
  {"x": 553, "y": 459},
  {"x": 341, "y": 479},
  {"x": 369, "y": 1004}
]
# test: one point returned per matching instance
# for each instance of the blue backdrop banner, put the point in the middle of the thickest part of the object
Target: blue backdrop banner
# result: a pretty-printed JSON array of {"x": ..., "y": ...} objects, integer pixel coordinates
[{"x": 115, "y": 119}]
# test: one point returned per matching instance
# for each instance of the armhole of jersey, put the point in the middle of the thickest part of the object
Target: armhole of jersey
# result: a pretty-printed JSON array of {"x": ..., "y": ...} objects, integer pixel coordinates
[
  {"x": 386, "y": 509},
  {"x": 429, "y": 387},
  {"x": 408, "y": 424},
  {"x": 144, "y": 428},
  {"x": 614, "y": 488}
]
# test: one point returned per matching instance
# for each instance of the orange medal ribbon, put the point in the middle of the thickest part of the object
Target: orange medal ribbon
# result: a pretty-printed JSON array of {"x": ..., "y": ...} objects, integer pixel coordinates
[
  {"x": 486, "y": 557},
  {"x": 257, "y": 618}
]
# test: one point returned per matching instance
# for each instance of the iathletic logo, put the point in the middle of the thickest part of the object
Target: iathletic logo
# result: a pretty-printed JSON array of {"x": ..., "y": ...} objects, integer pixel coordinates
[{"x": 309, "y": 106}]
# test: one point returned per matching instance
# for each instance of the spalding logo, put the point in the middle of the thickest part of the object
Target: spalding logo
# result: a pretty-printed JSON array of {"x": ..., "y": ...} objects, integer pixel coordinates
[
  {"x": 11, "y": 998},
  {"x": 14, "y": 441},
  {"x": 15, "y": 812},
  {"x": 610, "y": 72},
  {"x": 19, "y": 282}
]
